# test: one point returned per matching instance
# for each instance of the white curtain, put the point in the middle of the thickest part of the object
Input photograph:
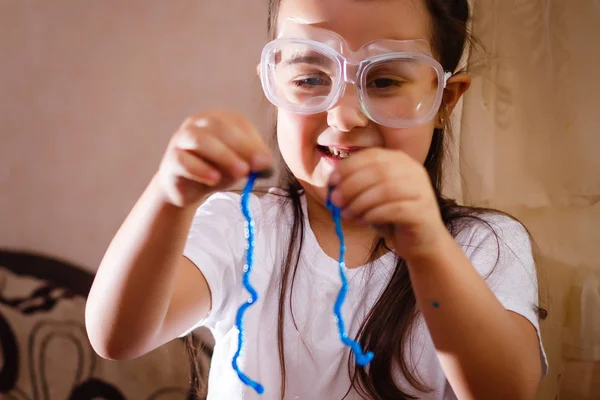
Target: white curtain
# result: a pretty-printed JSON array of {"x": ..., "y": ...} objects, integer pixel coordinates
[{"x": 526, "y": 141}]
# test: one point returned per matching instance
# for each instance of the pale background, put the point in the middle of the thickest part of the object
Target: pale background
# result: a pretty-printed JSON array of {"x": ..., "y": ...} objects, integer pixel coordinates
[{"x": 90, "y": 93}]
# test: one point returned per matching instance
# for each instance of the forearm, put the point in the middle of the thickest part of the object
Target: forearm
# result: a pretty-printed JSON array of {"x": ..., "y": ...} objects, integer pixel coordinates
[
  {"x": 132, "y": 288},
  {"x": 480, "y": 347}
]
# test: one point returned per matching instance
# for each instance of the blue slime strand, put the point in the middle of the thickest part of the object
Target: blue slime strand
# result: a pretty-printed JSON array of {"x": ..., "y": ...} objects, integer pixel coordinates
[
  {"x": 239, "y": 319},
  {"x": 362, "y": 359}
]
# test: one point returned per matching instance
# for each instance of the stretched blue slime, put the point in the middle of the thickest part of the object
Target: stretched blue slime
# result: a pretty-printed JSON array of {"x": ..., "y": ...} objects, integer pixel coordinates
[
  {"x": 362, "y": 359},
  {"x": 239, "y": 319}
]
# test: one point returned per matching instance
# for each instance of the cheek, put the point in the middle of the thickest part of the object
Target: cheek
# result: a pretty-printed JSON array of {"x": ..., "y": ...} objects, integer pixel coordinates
[
  {"x": 413, "y": 141},
  {"x": 297, "y": 136},
  {"x": 296, "y": 133}
]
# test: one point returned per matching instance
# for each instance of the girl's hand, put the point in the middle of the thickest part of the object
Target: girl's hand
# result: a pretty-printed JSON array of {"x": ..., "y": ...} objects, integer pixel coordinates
[
  {"x": 208, "y": 153},
  {"x": 387, "y": 187}
]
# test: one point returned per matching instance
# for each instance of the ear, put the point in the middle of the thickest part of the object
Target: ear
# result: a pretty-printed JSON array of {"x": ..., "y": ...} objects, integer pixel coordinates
[{"x": 455, "y": 88}]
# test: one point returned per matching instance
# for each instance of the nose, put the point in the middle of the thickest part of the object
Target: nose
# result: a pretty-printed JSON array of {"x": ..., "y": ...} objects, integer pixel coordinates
[{"x": 347, "y": 114}]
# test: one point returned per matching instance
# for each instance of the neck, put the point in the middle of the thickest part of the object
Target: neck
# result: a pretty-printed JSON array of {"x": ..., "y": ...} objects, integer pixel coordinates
[{"x": 320, "y": 218}]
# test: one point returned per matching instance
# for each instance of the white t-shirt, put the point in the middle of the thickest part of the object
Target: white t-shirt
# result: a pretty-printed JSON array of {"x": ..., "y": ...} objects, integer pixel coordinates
[{"x": 316, "y": 360}]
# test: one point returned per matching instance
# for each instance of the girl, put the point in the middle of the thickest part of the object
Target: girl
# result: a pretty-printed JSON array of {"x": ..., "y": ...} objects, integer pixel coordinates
[{"x": 445, "y": 296}]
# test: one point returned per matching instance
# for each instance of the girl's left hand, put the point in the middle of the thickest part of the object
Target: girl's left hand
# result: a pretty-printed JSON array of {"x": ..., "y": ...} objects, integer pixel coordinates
[{"x": 387, "y": 187}]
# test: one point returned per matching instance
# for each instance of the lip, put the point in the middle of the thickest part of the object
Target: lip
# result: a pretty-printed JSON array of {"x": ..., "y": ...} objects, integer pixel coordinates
[
  {"x": 345, "y": 148},
  {"x": 327, "y": 157},
  {"x": 332, "y": 159}
]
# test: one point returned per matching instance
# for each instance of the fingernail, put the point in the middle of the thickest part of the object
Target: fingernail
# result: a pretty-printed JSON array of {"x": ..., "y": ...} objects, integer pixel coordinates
[
  {"x": 260, "y": 162},
  {"x": 214, "y": 176},
  {"x": 241, "y": 168},
  {"x": 347, "y": 214},
  {"x": 336, "y": 197},
  {"x": 334, "y": 178}
]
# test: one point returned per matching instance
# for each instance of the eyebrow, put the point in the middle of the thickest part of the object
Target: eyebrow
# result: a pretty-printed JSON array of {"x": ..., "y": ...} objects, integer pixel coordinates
[{"x": 307, "y": 59}]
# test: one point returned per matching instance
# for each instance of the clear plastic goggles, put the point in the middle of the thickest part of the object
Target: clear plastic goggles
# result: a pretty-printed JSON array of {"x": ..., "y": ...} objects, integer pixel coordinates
[{"x": 306, "y": 71}]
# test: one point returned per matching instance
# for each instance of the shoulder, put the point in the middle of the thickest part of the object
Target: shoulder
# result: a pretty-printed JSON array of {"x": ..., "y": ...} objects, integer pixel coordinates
[
  {"x": 220, "y": 201},
  {"x": 220, "y": 221},
  {"x": 228, "y": 205},
  {"x": 494, "y": 239},
  {"x": 489, "y": 226}
]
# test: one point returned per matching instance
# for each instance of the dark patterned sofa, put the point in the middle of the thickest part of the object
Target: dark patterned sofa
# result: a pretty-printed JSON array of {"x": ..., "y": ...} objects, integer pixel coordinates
[{"x": 44, "y": 350}]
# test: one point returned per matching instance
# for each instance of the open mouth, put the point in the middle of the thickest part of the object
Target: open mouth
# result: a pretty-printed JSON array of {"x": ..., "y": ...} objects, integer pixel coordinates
[{"x": 338, "y": 153}]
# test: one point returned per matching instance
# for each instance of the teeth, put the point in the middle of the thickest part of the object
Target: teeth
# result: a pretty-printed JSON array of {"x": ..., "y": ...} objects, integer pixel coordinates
[{"x": 339, "y": 153}]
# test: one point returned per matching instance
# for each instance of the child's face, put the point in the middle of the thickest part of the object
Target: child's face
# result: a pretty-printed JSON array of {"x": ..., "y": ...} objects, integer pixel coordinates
[{"x": 358, "y": 22}]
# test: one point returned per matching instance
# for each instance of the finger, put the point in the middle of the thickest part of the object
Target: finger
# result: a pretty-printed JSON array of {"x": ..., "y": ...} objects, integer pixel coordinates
[
  {"x": 208, "y": 146},
  {"x": 190, "y": 166},
  {"x": 239, "y": 134},
  {"x": 392, "y": 213},
  {"x": 354, "y": 184},
  {"x": 214, "y": 125},
  {"x": 377, "y": 195},
  {"x": 356, "y": 162},
  {"x": 387, "y": 160},
  {"x": 258, "y": 151}
]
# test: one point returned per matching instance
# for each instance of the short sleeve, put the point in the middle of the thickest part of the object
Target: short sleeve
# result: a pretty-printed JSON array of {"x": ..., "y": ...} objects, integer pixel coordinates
[
  {"x": 215, "y": 244},
  {"x": 500, "y": 249}
]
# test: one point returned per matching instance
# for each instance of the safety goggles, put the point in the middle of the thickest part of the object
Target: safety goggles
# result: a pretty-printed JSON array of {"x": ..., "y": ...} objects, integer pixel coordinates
[{"x": 306, "y": 70}]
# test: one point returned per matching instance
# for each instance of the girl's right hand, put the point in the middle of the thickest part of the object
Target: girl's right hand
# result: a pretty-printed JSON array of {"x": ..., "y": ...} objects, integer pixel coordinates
[{"x": 208, "y": 153}]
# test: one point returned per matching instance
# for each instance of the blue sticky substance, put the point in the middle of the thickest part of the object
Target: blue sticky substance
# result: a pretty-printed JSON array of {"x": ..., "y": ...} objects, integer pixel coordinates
[
  {"x": 362, "y": 359},
  {"x": 239, "y": 319},
  {"x": 436, "y": 304}
]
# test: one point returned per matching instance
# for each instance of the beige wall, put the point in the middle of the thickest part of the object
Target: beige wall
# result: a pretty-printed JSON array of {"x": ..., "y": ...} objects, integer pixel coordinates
[{"x": 90, "y": 93}]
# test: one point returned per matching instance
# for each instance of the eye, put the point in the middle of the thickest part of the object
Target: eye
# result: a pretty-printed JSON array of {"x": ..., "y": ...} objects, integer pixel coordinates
[
  {"x": 311, "y": 82},
  {"x": 385, "y": 83}
]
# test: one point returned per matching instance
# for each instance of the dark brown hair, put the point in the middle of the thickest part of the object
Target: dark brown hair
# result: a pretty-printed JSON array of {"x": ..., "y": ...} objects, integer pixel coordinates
[{"x": 397, "y": 305}]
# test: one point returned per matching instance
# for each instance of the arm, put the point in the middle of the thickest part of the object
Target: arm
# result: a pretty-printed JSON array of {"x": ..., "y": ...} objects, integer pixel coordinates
[
  {"x": 145, "y": 292},
  {"x": 144, "y": 281},
  {"x": 485, "y": 351}
]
